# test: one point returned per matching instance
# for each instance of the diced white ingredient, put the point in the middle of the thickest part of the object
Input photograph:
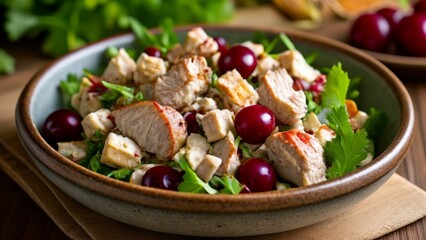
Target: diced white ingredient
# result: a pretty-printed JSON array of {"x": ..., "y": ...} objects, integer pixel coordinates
[
  {"x": 217, "y": 123},
  {"x": 75, "y": 150},
  {"x": 201, "y": 104},
  {"x": 296, "y": 65},
  {"x": 120, "y": 152},
  {"x": 208, "y": 167},
  {"x": 226, "y": 150},
  {"x": 256, "y": 48},
  {"x": 148, "y": 69},
  {"x": 311, "y": 123},
  {"x": 237, "y": 92},
  {"x": 358, "y": 120},
  {"x": 120, "y": 69},
  {"x": 196, "y": 150},
  {"x": 324, "y": 134},
  {"x": 97, "y": 121},
  {"x": 137, "y": 175},
  {"x": 84, "y": 101},
  {"x": 261, "y": 152}
]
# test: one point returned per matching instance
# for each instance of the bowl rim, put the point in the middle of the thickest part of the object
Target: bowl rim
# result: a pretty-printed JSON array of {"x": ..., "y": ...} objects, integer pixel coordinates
[{"x": 388, "y": 160}]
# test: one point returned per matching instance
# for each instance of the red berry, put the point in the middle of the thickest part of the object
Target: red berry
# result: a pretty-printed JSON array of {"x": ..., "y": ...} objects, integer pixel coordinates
[
  {"x": 393, "y": 16},
  {"x": 257, "y": 174},
  {"x": 240, "y": 58},
  {"x": 370, "y": 31},
  {"x": 410, "y": 37},
  {"x": 63, "y": 125},
  {"x": 420, "y": 7},
  {"x": 153, "y": 52},
  {"x": 254, "y": 123},
  {"x": 163, "y": 177},
  {"x": 221, "y": 42}
]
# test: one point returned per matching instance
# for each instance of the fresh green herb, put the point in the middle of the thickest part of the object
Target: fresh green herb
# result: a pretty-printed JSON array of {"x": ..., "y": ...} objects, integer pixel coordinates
[
  {"x": 163, "y": 41},
  {"x": 375, "y": 123},
  {"x": 68, "y": 88},
  {"x": 312, "y": 57},
  {"x": 311, "y": 103},
  {"x": 336, "y": 88},
  {"x": 191, "y": 182},
  {"x": 287, "y": 42},
  {"x": 348, "y": 148},
  {"x": 66, "y": 25},
  {"x": 122, "y": 173},
  {"x": 352, "y": 89},
  {"x": 215, "y": 79},
  {"x": 239, "y": 144},
  {"x": 269, "y": 46},
  {"x": 227, "y": 184},
  {"x": 109, "y": 98},
  {"x": 7, "y": 63}
]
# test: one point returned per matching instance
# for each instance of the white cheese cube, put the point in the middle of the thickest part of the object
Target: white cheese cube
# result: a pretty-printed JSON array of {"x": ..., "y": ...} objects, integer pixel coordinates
[
  {"x": 217, "y": 123},
  {"x": 196, "y": 150},
  {"x": 120, "y": 152},
  {"x": 324, "y": 134},
  {"x": 75, "y": 150},
  {"x": 358, "y": 120},
  {"x": 311, "y": 123},
  {"x": 208, "y": 167},
  {"x": 97, "y": 121}
]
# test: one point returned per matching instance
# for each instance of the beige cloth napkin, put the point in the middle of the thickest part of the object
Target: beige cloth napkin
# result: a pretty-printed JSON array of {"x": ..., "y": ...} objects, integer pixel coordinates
[{"x": 381, "y": 213}]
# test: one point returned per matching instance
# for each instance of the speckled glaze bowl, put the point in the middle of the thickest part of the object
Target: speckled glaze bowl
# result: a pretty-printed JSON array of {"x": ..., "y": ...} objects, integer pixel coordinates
[{"x": 221, "y": 215}]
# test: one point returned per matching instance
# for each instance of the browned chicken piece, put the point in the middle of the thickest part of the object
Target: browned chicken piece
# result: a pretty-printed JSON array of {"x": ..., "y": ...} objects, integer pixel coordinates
[
  {"x": 297, "y": 157},
  {"x": 148, "y": 69},
  {"x": 197, "y": 42},
  {"x": 256, "y": 48},
  {"x": 120, "y": 69},
  {"x": 265, "y": 63},
  {"x": 276, "y": 92},
  {"x": 296, "y": 65},
  {"x": 156, "y": 129},
  {"x": 236, "y": 92},
  {"x": 186, "y": 80},
  {"x": 226, "y": 150}
]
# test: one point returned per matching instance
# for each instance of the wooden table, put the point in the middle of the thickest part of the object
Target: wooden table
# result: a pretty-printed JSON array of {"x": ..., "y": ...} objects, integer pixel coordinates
[{"x": 21, "y": 218}]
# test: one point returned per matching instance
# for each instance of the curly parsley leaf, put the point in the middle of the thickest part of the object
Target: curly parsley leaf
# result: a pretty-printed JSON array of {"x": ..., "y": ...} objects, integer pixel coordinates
[
  {"x": 336, "y": 88},
  {"x": 243, "y": 147},
  {"x": 348, "y": 148},
  {"x": 227, "y": 183},
  {"x": 191, "y": 182}
]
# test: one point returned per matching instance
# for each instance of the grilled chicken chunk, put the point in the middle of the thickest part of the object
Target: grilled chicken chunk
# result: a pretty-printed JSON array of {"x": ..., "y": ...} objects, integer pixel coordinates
[
  {"x": 148, "y": 69},
  {"x": 256, "y": 48},
  {"x": 195, "y": 150},
  {"x": 265, "y": 63},
  {"x": 197, "y": 42},
  {"x": 226, "y": 150},
  {"x": 120, "y": 69},
  {"x": 276, "y": 92},
  {"x": 297, "y": 156},
  {"x": 237, "y": 93},
  {"x": 296, "y": 65},
  {"x": 97, "y": 121},
  {"x": 186, "y": 80},
  {"x": 157, "y": 129}
]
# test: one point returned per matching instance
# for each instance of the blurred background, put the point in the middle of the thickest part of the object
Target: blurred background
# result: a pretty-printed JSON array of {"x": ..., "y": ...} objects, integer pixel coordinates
[{"x": 59, "y": 26}]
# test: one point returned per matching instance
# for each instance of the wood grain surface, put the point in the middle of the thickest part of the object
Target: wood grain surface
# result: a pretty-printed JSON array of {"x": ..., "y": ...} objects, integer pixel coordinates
[{"x": 21, "y": 218}]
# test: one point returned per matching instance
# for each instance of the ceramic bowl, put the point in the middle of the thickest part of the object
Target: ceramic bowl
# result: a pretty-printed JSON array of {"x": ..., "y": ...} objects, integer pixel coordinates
[{"x": 221, "y": 215}]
